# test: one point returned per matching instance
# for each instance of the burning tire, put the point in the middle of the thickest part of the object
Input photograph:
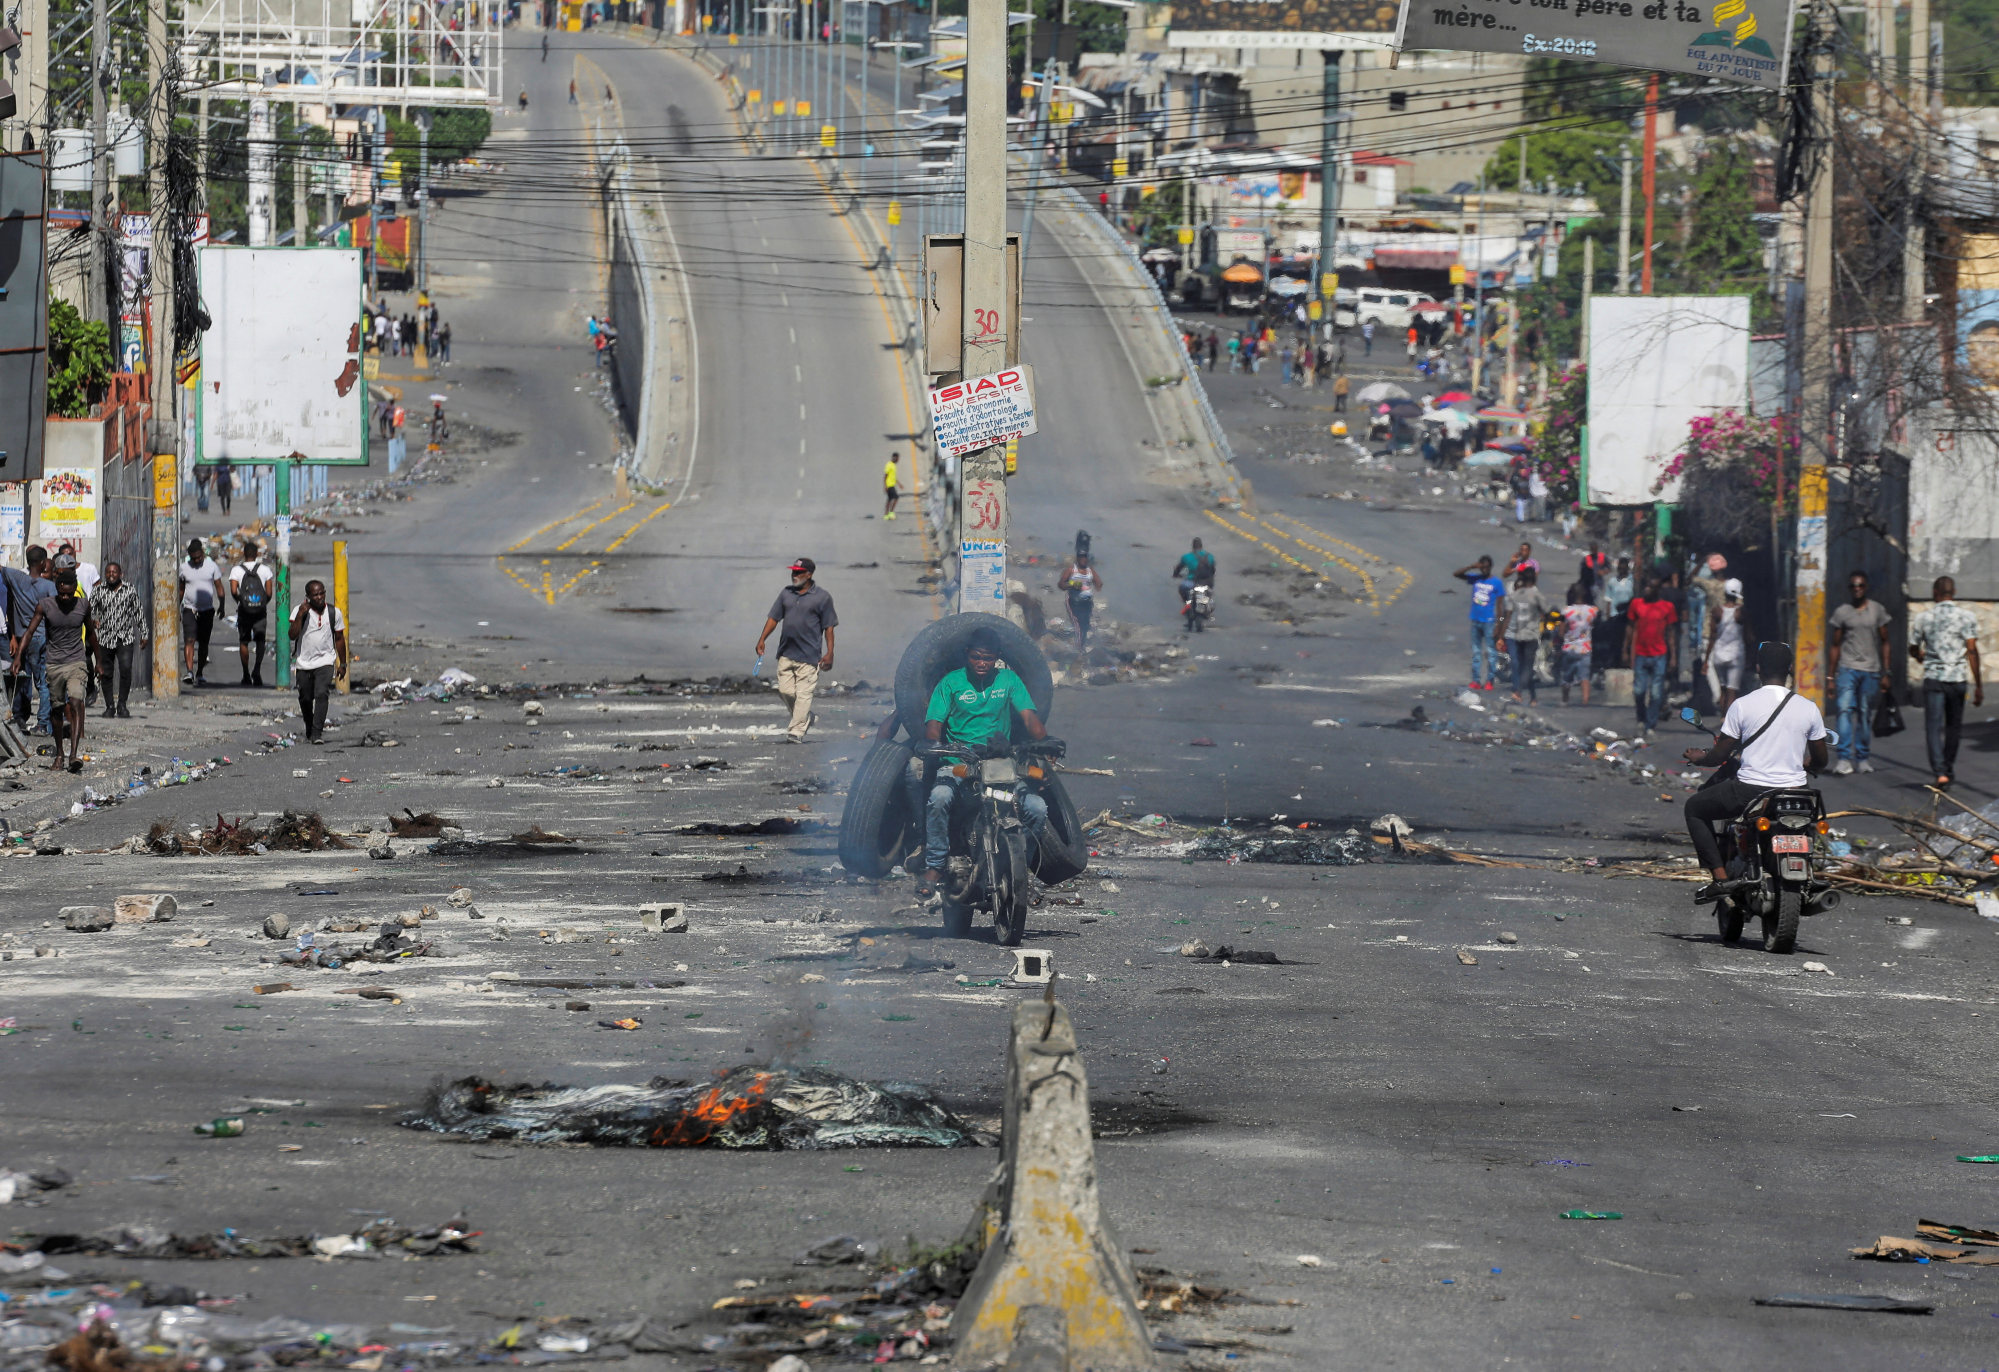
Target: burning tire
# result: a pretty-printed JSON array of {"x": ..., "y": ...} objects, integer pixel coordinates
[
  {"x": 1063, "y": 852},
  {"x": 940, "y": 648},
  {"x": 876, "y": 827}
]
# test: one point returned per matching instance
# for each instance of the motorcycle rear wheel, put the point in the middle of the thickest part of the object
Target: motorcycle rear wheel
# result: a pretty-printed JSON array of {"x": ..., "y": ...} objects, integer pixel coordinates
[
  {"x": 1780, "y": 926},
  {"x": 1009, "y": 886}
]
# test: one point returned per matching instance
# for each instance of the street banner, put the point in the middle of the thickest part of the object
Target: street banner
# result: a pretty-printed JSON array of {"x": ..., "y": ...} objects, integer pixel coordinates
[
  {"x": 1745, "y": 41},
  {"x": 1329, "y": 25},
  {"x": 983, "y": 410}
]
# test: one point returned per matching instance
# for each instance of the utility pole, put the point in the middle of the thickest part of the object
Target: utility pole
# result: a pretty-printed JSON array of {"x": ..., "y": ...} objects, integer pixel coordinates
[
  {"x": 262, "y": 175},
  {"x": 1624, "y": 223},
  {"x": 1651, "y": 178},
  {"x": 164, "y": 440},
  {"x": 1815, "y": 421},
  {"x": 1589, "y": 287},
  {"x": 103, "y": 196},
  {"x": 1914, "y": 277},
  {"x": 1329, "y": 185},
  {"x": 301, "y": 188},
  {"x": 982, "y": 512},
  {"x": 1478, "y": 295},
  {"x": 29, "y": 76},
  {"x": 423, "y": 203}
]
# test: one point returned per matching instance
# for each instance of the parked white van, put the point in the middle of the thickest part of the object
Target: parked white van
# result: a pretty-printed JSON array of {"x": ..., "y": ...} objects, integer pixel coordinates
[{"x": 1384, "y": 306}]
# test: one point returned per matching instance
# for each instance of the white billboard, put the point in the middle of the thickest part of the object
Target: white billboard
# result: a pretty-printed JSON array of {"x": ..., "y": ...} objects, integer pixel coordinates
[
  {"x": 281, "y": 361},
  {"x": 1656, "y": 363}
]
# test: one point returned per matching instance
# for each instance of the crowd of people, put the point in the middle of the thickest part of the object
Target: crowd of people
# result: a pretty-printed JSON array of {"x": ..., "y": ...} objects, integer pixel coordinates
[{"x": 392, "y": 335}]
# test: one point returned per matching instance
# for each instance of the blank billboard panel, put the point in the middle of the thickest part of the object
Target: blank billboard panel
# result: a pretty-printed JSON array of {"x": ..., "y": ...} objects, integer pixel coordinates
[
  {"x": 1656, "y": 363},
  {"x": 281, "y": 364}
]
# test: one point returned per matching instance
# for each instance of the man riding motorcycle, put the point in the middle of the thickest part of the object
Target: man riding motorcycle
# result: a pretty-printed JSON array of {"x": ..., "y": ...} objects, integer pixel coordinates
[
  {"x": 973, "y": 708},
  {"x": 1768, "y": 741},
  {"x": 1195, "y": 568}
]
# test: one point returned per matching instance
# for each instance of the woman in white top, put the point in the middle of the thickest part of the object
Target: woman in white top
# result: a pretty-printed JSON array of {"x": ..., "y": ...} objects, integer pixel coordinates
[
  {"x": 1082, "y": 582},
  {"x": 1727, "y": 637}
]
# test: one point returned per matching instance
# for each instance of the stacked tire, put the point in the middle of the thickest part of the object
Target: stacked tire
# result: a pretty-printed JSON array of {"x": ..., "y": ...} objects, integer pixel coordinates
[{"x": 877, "y": 828}]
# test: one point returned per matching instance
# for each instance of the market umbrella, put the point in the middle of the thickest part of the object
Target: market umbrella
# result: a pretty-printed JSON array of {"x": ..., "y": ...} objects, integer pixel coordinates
[
  {"x": 1378, "y": 391},
  {"x": 1489, "y": 457},
  {"x": 1454, "y": 397}
]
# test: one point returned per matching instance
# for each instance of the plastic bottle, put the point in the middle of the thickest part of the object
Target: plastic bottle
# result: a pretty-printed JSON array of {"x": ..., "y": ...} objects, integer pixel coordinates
[{"x": 221, "y": 1129}]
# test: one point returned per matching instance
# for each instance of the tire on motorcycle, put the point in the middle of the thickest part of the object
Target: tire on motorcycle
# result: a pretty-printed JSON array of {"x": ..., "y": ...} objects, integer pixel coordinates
[
  {"x": 1010, "y": 888},
  {"x": 875, "y": 825},
  {"x": 1780, "y": 926},
  {"x": 939, "y": 648},
  {"x": 1063, "y": 852}
]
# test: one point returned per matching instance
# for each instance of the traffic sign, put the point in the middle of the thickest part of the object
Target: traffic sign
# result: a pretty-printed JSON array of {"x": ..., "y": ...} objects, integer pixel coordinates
[
  {"x": 894, "y": 213},
  {"x": 1120, "y": 167},
  {"x": 1186, "y": 237},
  {"x": 1457, "y": 274},
  {"x": 828, "y": 135}
]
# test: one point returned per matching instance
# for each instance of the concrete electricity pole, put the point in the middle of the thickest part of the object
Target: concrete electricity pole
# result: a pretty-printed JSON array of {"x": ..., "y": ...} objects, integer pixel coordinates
[
  {"x": 28, "y": 74},
  {"x": 1815, "y": 420},
  {"x": 1329, "y": 186},
  {"x": 103, "y": 198},
  {"x": 1651, "y": 179},
  {"x": 262, "y": 211},
  {"x": 1914, "y": 278},
  {"x": 165, "y": 437},
  {"x": 1624, "y": 223},
  {"x": 982, "y": 513}
]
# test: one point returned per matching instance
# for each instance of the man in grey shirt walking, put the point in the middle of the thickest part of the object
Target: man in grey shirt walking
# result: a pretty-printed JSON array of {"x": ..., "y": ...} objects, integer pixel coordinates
[
  {"x": 805, "y": 647},
  {"x": 1859, "y": 656}
]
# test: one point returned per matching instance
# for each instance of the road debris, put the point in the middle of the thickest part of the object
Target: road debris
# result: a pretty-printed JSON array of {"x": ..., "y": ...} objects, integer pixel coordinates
[
  {"x": 745, "y": 1107},
  {"x": 1592, "y": 1214},
  {"x": 20, "y": 1185},
  {"x": 229, "y": 1128},
  {"x": 377, "y": 1238},
  {"x": 292, "y": 832},
  {"x": 87, "y": 919},
  {"x": 1951, "y": 1243},
  {"x": 1880, "y": 1305}
]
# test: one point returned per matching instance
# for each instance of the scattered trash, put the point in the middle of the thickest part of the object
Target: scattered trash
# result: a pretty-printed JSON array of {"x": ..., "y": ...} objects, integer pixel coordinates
[
  {"x": 536, "y": 834},
  {"x": 1251, "y": 956},
  {"x": 1194, "y": 948},
  {"x": 376, "y": 1237},
  {"x": 1346, "y": 851},
  {"x": 1394, "y": 826},
  {"x": 1308, "y": 1259},
  {"x": 14, "y": 1185},
  {"x": 1951, "y": 1243},
  {"x": 1819, "y": 967},
  {"x": 1466, "y": 958},
  {"x": 1884, "y": 1305},
  {"x": 745, "y": 1107},
  {"x": 221, "y": 1129},
  {"x": 272, "y": 988},
  {"x": 777, "y": 824},
  {"x": 1032, "y": 966},
  {"x": 382, "y": 852},
  {"x": 294, "y": 831},
  {"x": 1978, "y": 1157},
  {"x": 1200, "y": 743},
  {"x": 620, "y": 1023},
  {"x": 1592, "y": 1214},
  {"x": 412, "y": 825}
]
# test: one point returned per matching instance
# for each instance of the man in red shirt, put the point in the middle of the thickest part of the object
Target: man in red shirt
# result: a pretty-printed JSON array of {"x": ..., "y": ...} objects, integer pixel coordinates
[{"x": 1650, "y": 641}]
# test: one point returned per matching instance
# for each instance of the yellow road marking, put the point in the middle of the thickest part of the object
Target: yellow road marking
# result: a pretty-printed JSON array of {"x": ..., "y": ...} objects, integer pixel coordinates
[
  {"x": 619, "y": 541},
  {"x": 1261, "y": 543},
  {"x": 1408, "y": 577},
  {"x": 553, "y": 524},
  {"x": 1366, "y": 581},
  {"x": 564, "y": 546}
]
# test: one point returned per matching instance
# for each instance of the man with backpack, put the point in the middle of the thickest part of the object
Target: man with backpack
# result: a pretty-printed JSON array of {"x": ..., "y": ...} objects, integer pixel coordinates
[
  {"x": 319, "y": 653},
  {"x": 251, "y": 584}
]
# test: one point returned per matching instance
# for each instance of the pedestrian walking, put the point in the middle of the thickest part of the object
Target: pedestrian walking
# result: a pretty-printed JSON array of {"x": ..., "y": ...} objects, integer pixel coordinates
[
  {"x": 1214, "y": 351},
  {"x": 203, "y": 475},
  {"x": 444, "y": 341},
  {"x": 1367, "y": 339},
  {"x": 62, "y": 620},
  {"x": 118, "y": 620},
  {"x": 319, "y": 654},
  {"x": 1578, "y": 647},
  {"x": 1944, "y": 638},
  {"x": 251, "y": 585},
  {"x": 1526, "y": 607},
  {"x": 1341, "y": 388},
  {"x": 225, "y": 482},
  {"x": 804, "y": 647},
  {"x": 1523, "y": 558},
  {"x": 891, "y": 486},
  {"x": 1522, "y": 497},
  {"x": 1859, "y": 655},
  {"x": 1595, "y": 566},
  {"x": 572, "y": 93},
  {"x": 1488, "y": 596},
  {"x": 524, "y": 100},
  {"x": 1725, "y": 650},
  {"x": 1649, "y": 640},
  {"x": 1286, "y": 360},
  {"x": 27, "y": 645},
  {"x": 1082, "y": 582},
  {"x": 201, "y": 582}
]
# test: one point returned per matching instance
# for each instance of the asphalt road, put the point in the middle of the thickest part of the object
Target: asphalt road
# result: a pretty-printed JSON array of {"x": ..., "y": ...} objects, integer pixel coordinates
[{"x": 1416, "y": 1122}]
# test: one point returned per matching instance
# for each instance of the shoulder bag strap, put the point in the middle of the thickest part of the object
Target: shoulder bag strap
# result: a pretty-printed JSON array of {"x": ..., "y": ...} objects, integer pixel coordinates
[{"x": 1789, "y": 696}]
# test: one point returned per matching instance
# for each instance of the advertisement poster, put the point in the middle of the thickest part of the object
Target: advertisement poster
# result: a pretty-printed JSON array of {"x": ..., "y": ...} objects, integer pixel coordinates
[
  {"x": 69, "y": 503},
  {"x": 1977, "y": 310},
  {"x": 13, "y": 516},
  {"x": 1282, "y": 24},
  {"x": 1745, "y": 41}
]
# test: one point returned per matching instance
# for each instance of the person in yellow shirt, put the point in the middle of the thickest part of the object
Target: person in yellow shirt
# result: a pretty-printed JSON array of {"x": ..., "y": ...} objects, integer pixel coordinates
[{"x": 890, "y": 486}]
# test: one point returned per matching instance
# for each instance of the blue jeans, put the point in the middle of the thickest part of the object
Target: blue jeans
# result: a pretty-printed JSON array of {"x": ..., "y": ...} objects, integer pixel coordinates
[
  {"x": 1856, "y": 712},
  {"x": 1484, "y": 652},
  {"x": 33, "y": 683},
  {"x": 947, "y": 791},
  {"x": 1522, "y": 651},
  {"x": 1648, "y": 688}
]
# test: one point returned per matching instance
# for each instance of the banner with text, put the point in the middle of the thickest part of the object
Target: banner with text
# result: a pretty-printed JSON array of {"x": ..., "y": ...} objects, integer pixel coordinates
[
  {"x": 981, "y": 411},
  {"x": 1746, "y": 41}
]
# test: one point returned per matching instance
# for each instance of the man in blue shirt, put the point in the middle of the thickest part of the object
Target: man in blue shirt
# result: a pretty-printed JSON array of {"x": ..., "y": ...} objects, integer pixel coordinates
[
  {"x": 1488, "y": 605},
  {"x": 974, "y": 707},
  {"x": 25, "y": 591},
  {"x": 1195, "y": 568}
]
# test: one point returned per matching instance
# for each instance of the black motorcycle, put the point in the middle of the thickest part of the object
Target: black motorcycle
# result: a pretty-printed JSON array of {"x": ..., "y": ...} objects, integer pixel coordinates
[
  {"x": 1199, "y": 609},
  {"x": 1772, "y": 840},
  {"x": 988, "y": 866}
]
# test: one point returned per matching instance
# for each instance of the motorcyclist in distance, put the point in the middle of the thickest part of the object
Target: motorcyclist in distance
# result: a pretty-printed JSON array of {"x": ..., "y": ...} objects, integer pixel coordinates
[
  {"x": 973, "y": 708},
  {"x": 1195, "y": 568}
]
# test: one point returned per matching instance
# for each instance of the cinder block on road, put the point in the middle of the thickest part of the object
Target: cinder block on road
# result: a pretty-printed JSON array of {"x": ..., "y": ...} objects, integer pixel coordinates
[{"x": 146, "y": 909}]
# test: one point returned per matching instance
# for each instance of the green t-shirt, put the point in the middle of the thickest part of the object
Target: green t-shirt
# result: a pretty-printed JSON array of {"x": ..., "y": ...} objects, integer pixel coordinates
[{"x": 973, "y": 716}]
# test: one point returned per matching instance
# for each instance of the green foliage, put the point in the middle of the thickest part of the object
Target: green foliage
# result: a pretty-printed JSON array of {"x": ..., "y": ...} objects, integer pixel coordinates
[
  {"x": 79, "y": 361},
  {"x": 1723, "y": 253},
  {"x": 1585, "y": 157},
  {"x": 1159, "y": 216},
  {"x": 454, "y": 133},
  {"x": 1971, "y": 52}
]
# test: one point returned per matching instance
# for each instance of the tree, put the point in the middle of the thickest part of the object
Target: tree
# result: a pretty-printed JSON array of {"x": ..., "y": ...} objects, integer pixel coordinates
[
  {"x": 79, "y": 361},
  {"x": 1723, "y": 254},
  {"x": 1583, "y": 156}
]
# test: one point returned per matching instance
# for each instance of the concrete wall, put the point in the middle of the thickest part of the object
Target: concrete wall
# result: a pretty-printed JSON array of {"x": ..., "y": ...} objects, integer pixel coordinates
[{"x": 1953, "y": 510}]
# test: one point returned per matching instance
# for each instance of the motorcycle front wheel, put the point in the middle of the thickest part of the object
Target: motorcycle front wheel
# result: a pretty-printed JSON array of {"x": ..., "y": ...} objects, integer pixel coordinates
[
  {"x": 1008, "y": 888},
  {"x": 1780, "y": 926}
]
